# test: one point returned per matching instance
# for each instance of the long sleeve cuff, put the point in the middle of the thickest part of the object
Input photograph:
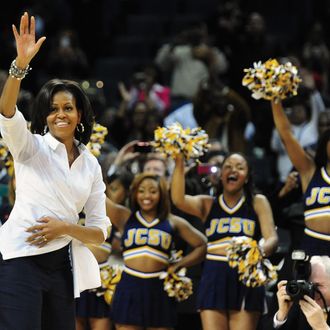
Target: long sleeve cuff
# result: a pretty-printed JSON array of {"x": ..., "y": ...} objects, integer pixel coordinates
[{"x": 276, "y": 322}]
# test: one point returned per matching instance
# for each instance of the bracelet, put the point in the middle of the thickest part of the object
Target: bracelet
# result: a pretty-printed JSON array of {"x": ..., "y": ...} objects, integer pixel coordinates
[{"x": 16, "y": 72}]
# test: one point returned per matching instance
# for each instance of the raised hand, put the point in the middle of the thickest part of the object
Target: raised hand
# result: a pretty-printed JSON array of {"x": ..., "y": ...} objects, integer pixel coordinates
[{"x": 26, "y": 44}]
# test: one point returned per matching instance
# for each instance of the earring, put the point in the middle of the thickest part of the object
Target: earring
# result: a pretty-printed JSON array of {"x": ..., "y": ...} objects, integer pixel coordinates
[
  {"x": 45, "y": 129},
  {"x": 80, "y": 128}
]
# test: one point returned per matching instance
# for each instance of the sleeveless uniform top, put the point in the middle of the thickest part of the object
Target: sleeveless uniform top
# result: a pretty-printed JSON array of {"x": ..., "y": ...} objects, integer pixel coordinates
[
  {"x": 317, "y": 196},
  {"x": 147, "y": 239},
  {"x": 224, "y": 222}
]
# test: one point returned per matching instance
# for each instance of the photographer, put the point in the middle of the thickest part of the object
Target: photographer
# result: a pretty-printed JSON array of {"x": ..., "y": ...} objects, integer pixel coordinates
[{"x": 292, "y": 307}]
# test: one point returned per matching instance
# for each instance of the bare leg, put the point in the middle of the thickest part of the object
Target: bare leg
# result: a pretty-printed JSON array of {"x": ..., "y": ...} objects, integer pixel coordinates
[
  {"x": 128, "y": 327},
  {"x": 243, "y": 320},
  {"x": 80, "y": 323},
  {"x": 100, "y": 323},
  {"x": 214, "y": 320}
]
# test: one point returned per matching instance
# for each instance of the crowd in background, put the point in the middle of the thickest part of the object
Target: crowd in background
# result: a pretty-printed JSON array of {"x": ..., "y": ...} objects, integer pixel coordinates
[{"x": 189, "y": 72}]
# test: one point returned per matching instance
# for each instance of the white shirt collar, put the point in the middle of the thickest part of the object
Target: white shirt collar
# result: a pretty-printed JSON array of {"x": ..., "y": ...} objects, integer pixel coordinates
[{"x": 54, "y": 143}]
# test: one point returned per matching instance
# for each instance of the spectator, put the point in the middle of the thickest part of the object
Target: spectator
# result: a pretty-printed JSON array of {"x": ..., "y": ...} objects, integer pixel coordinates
[
  {"x": 190, "y": 58},
  {"x": 221, "y": 112},
  {"x": 145, "y": 87}
]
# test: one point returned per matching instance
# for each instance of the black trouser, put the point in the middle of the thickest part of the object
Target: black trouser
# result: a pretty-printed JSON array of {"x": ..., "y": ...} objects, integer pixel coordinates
[{"x": 37, "y": 292}]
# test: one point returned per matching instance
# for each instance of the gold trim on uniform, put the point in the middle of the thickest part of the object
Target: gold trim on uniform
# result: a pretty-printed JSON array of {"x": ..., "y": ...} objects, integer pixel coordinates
[
  {"x": 146, "y": 251},
  {"x": 325, "y": 175},
  {"x": 324, "y": 237},
  {"x": 226, "y": 208},
  {"x": 216, "y": 257},
  {"x": 144, "y": 222},
  {"x": 137, "y": 273},
  {"x": 317, "y": 213},
  {"x": 223, "y": 242}
]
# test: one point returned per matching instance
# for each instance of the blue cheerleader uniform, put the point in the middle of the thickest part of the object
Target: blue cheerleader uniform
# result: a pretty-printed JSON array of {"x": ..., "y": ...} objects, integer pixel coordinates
[
  {"x": 220, "y": 288},
  {"x": 317, "y": 204},
  {"x": 140, "y": 298}
]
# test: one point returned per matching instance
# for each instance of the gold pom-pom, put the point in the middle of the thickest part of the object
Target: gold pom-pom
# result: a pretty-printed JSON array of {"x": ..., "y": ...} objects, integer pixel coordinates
[
  {"x": 7, "y": 158},
  {"x": 253, "y": 269},
  {"x": 97, "y": 139},
  {"x": 174, "y": 140},
  {"x": 110, "y": 277},
  {"x": 177, "y": 285},
  {"x": 271, "y": 80}
]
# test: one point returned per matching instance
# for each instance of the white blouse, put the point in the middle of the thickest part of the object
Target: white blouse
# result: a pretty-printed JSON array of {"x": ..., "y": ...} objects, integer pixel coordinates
[{"x": 47, "y": 186}]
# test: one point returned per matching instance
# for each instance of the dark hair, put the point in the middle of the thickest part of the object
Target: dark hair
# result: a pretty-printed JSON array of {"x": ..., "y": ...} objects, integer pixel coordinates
[
  {"x": 125, "y": 178},
  {"x": 302, "y": 98},
  {"x": 163, "y": 207},
  {"x": 42, "y": 107},
  {"x": 321, "y": 155},
  {"x": 210, "y": 99},
  {"x": 212, "y": 153},
  {"x": 248, "y": 187}
]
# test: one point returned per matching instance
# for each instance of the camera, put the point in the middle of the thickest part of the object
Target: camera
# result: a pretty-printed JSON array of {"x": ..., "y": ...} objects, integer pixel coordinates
[
  {"x": 300, "y": 285},
  {"x": 143, "y": 147},
  {"x": 205, "y": 168}
]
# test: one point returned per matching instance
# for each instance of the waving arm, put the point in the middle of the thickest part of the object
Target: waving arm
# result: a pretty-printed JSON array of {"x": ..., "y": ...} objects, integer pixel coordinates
[
  {"x": 195, "y": 205},
  {"x": 27, "y": 48},
  {"x": 299, "y": 158}
]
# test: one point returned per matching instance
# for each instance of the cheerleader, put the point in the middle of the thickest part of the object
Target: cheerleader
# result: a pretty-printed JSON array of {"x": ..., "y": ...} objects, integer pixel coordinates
[
  {"x": 223, "y": 301},
  {"x": 148, "y": 230},
  {"x": 315, "y": 180}
]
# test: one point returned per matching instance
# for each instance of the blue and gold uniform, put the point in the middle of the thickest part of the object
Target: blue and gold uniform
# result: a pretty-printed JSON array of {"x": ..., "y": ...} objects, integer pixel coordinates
[
  {"x": 140, "y": 298},
  {"x": 143, "y": 239},
  {"x": 220, "y": 287},
  {"x": 317, "y": 205}
]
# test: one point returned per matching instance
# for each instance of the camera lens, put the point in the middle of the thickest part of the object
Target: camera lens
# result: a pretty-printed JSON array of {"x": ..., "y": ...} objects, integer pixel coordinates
[
  {"x": 292, "y": 288},
  {"x": 297, "y": 289}
]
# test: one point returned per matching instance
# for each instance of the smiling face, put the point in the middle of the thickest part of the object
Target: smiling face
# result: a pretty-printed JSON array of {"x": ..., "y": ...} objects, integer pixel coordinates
[
  {"x": 148, "y": 195},
  {"x": 64, "y": 116},
  {"x": 234, "y": 173}
]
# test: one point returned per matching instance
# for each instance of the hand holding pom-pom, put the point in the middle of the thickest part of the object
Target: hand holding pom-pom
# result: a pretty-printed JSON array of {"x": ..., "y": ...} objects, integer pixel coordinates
[
  {"x": 177, "y": 285},
  {"x": 272, "y": 80},
  {"x": 244, "y": 254},
  {"x": 7, "y": 158}
]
